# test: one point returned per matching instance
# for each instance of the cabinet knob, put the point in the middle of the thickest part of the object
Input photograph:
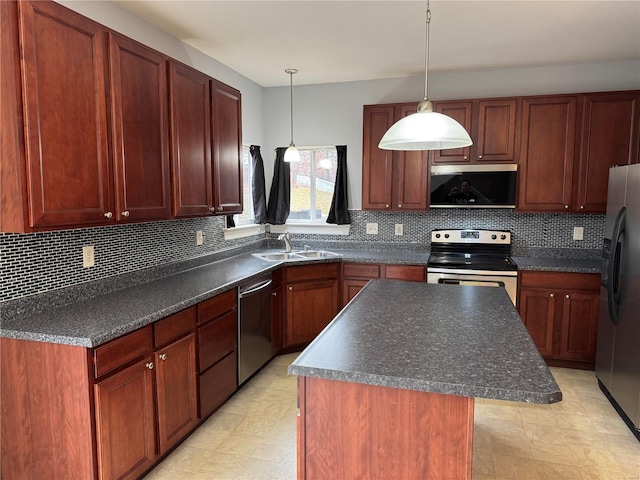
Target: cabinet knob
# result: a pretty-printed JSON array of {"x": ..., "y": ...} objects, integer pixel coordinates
[
  {"x": 566, "y": 296},
  {"x": 387, "y": 205},
  {"x": 290, "y": 288},
  {"x": 480, "y": 156},
  {"x": 125, "y": 213},
  {"x": 566, "y": 207},
  {"x": 400, "y": 206},
  {"x": 581, "y": 207},
  {"x": 212, "y": 209},
  {"x": 551, "y": 295},
  {"x": 221, "y": 208},
  {"x": 163, "y": 356},
  {"x": 464, "y": 158},
  {"x": 150, "y": 365},
  {"x": 108, "y": 215},
  {"x": 275, "y": 294}
]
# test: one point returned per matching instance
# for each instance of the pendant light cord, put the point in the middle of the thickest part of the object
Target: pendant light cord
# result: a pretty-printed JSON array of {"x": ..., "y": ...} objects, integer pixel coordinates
[
  {"x": 291, "y": 71},
  {"x": 425, "y": 105}
]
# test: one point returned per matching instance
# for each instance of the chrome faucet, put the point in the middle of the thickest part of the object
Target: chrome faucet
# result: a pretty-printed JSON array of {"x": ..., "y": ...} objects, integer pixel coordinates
[{"x": 287, "y": 241}]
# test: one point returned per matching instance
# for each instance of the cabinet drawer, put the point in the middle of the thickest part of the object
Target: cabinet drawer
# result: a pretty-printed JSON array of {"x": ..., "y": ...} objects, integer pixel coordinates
[
  {"x": 312, "y": 272},
  {"x": 121, "y": 351},
  {"x": 411, "y": 273},
  {"x": 560, "y": 280},
  {"x": 361, "y": 270},
  {"x": 216, "y": 306},
  {"x": 174, "y": 327},
  {"x": 216, "y": 339},
  {"x": 217, "y": 384}
]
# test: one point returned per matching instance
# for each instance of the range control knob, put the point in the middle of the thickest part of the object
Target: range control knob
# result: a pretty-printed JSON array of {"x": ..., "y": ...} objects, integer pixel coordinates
[
  {"x": 493, "y": 237},
  {"x": 437, "y": 235},
  {"x": 503, "y": 237},
  {"x": 446, "y": 235}
]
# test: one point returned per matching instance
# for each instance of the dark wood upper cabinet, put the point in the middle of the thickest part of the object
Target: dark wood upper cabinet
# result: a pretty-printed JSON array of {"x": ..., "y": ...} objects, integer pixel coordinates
[
  {"x": 140, "y": 136},
  {"x": 190, "y": 141},
  {"x": 610, "y": 132},
  {"x": 491, "y": 123},
  {"x": 227, "y": 148},
  {"x": 546, "y": 154},
  {"x": 391, "y": 180},
  {"x": 65, "y": 116}
]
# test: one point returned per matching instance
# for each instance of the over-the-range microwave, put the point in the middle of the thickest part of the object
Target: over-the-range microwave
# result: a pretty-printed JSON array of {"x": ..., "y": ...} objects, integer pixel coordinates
[{"x": 474, "y": 186}]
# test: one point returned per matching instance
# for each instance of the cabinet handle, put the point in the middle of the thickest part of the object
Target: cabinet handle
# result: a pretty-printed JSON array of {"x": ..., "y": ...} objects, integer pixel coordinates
[
  {"x": 275, "y": 294},
  {"x": 464, "y": 158},
  {"x": 566, "y": 296},
  {"x": 108, "y": 214},
  {"x": 150, "y": 365},
  {"x": 566, "y": 207},
  {"x": 400, "y": 206},
  {"x": 551, "y": 295},
  {"x": 581, "y": 207},
  {"x": 221, "y": 208},
  {"x": 480, "y": 157},
  {"x": 125, "y": 213},
  {"x": 163, "y": 356},
  {"x": 212, "y": 209},
  {"x": 387, "y": 205},
  {"x": 290, "y": 288}
]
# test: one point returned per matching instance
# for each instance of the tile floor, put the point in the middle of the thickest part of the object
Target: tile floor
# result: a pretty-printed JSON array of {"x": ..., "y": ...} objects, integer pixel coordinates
[{"x": 253, "y": 436}]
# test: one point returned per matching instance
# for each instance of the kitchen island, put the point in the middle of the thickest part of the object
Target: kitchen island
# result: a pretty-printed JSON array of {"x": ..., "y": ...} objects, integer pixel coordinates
[{"x": 387, "y": 389}]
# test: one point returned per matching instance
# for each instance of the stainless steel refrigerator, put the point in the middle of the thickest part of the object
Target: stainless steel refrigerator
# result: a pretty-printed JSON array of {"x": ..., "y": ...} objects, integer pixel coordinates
[{"x": 618, "y": 354}]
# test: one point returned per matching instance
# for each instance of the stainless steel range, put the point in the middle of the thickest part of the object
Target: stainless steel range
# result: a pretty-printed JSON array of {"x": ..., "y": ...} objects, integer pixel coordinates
[{"x": 473, "y": 257}]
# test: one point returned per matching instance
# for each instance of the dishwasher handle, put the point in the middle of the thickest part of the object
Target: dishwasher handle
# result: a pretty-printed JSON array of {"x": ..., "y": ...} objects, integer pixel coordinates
[{"x": 246, "y": 291}]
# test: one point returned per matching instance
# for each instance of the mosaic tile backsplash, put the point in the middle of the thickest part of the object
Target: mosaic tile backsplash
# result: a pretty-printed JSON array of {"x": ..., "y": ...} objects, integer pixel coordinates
[{"x": 41, "y": 262}]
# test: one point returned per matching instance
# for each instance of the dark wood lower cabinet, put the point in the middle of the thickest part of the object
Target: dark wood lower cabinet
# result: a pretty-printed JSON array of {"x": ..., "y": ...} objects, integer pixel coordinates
[
  {"x": 217, "y": 384},
  {"x": 356, "y": 275},
  {"x": 560, "y": 311}
]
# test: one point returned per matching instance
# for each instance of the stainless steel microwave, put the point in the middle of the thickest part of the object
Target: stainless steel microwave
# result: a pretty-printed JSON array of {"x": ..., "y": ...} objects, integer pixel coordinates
[{"x": 474, "y": 186}]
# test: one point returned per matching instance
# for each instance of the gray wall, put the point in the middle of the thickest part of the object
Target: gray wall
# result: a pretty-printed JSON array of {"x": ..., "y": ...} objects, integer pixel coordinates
[{"x": 331, "y": 114}]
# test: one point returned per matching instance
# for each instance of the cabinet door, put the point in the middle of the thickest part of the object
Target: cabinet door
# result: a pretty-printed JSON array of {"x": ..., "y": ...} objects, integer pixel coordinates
[
  {"x": 537, "y": 309},
  {"x": 460, "y": 112},
  {"x": 63, "y": 62},
  {"x": 227, "y": 148},
  {"x": 409, "y": 273},
  {"x": 580, "y": 313},
  {"x": 310, "y": 308},
  {"x": 609, "y": 137},
  {"x": 350, "y": 288},
  {"x": 496, "y": 138},
  {"x": 377, "y": 164},
  {"x": 276, "y": 318},
  {"x": 177, "y": 396},
  {"x": 139, "y": 116},
  {"x": 546, "y": 155},
  {"x": 125, "y": 422},
  {"x": 411, "y": 173},
  {"x": 190, "y": 141}
]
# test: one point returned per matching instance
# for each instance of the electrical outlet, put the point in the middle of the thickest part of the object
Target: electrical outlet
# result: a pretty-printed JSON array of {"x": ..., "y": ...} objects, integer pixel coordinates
[
  {"x": 372, "y": 228},
  {"x": 578, "y": 233},
  {"x": 88, "y": 259},
  {"x": 199, "y": 239},
  {"x": 399, "y": 229}
]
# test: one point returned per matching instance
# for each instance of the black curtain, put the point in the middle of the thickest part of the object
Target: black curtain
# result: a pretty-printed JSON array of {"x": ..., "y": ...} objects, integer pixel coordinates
[
  {"x": 257, "y": 186},
  {"x": 280, "y": 194},
  {"x": 338, "y": 212}
]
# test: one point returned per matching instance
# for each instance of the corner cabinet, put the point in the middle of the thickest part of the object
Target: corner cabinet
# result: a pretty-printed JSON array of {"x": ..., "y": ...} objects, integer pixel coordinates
[
  {"x": 391, "y": 180},
  {"x": 560, "y": 311},
  {"x": 312, "y": 300}
]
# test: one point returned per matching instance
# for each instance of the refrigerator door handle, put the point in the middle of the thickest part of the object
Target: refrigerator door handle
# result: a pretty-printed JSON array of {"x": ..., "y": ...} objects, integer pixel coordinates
[{"x": 613, "y": 288}]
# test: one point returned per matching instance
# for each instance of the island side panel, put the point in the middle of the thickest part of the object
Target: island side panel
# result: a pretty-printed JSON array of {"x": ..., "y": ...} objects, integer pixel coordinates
[{"x": 352, "y": 430}]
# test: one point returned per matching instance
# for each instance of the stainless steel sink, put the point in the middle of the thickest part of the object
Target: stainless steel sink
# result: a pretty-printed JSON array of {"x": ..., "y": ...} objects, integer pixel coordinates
[
  {"x": 318, "y": 254},
  {"x": 275, "y": 257}
]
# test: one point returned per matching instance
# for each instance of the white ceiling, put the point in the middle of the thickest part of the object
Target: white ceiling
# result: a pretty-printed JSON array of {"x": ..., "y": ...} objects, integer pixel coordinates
[{"x": 337, "y": 41}]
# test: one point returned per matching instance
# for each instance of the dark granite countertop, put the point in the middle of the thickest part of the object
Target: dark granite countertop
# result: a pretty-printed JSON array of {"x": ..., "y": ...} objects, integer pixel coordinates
[
  {"x": 449, "y": 339},
  {"x": 107, "y": 315}
]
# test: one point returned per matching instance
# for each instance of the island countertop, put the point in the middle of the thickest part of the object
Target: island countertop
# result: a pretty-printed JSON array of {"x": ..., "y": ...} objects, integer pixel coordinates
[{"x": 450, "y": 339}]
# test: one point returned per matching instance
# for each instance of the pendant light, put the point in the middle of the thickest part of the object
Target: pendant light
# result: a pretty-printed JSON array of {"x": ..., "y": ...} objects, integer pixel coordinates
[
  {"x": 291, "y": 154},
  {"x": 426, "y": 129}
]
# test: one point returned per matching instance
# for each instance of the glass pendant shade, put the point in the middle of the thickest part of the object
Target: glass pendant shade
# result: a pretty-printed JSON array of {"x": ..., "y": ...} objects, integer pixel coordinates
[
  {"x": 426, "y": 130},
  {"x": 291, "y": 154}
]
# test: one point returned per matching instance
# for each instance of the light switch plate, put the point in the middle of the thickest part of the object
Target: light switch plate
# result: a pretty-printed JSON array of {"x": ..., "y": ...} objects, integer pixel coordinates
[
  {"x": 578, "y": 233},
  {"x": 199, "y": 238},
  {"x": 88, "y": 259},
  {"x": 399, "y": 230},
  {"x": 372, "y": 228}
]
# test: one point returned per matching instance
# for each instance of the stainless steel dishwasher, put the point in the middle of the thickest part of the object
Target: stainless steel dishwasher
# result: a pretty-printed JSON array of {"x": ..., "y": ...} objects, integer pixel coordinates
[{"x": 254, "y": 327}]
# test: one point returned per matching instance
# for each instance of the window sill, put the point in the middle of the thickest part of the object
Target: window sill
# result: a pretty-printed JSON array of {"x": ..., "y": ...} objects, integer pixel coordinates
[
  {"x": 242, "y": 231},
  {"x": 311, "y": 228}
]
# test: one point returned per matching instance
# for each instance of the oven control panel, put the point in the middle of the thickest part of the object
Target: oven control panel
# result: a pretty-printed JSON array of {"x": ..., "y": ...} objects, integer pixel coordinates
[{"x": 495, "y": 237}]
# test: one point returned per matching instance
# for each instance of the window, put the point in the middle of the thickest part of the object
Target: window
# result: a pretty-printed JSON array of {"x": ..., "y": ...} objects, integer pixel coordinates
[
  {"x": 312, "y": 184},
  {"x": 248, "y": 215}
]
